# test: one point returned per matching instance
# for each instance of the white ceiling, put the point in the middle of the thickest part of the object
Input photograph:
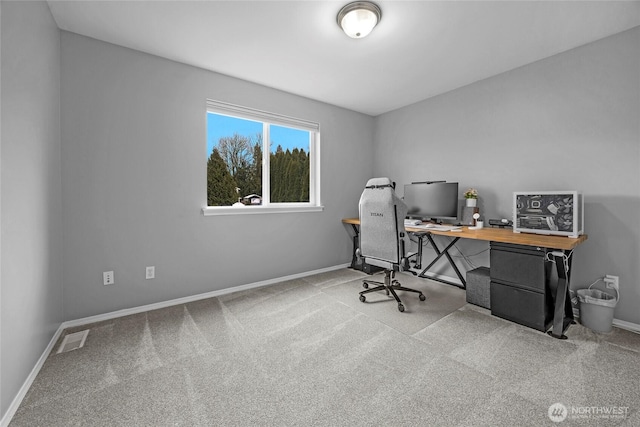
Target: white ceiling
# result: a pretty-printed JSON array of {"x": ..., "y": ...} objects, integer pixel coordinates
[{"x": 419, "y": 49}]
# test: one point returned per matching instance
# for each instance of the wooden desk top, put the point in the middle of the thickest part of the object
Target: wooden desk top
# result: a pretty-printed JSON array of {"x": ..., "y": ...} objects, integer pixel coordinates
[{"x": 503, "y": 235}]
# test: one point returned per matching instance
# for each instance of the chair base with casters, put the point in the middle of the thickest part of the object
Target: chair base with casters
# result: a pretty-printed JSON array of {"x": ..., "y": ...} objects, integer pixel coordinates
[{"x": 390, "y": 285}]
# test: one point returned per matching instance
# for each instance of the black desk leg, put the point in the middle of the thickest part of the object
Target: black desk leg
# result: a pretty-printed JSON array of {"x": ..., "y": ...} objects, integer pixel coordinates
[
  {"x": 354, "y": 257},
  {"x": 563, "y": 312},
  {"x": 444, "y": 252},
  {"x": 419, "y": 255}
]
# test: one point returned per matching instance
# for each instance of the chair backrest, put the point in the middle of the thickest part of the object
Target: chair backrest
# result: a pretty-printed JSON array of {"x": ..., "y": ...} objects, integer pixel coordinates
[{"x": 382, "y": 215}]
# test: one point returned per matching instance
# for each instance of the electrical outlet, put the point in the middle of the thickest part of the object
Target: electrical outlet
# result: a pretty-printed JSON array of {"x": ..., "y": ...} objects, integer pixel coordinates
[
  {"x": 611, "y": 282},
  {"x": 107, "y": 278},
  {"x": 150, "y": 272}
]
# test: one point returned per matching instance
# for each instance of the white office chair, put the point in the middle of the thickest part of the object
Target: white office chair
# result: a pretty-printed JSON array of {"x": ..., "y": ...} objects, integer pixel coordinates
[{"x": 382, "y": 237}]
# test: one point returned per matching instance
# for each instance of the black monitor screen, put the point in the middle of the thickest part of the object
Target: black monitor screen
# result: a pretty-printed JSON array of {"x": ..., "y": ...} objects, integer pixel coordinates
[{"x": 438, "y": 200}]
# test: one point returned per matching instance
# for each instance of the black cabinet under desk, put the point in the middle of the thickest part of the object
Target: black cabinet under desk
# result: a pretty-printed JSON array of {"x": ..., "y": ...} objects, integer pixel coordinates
[{"x": 520, "y": 285}]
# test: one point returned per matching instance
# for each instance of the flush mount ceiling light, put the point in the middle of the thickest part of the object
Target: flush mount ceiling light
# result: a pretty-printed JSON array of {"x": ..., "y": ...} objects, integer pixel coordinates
[{"x": 357, "y": 19}]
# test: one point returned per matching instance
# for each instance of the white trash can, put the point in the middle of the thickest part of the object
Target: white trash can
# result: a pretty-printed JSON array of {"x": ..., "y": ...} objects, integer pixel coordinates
[{"x": 596, "y": 309}]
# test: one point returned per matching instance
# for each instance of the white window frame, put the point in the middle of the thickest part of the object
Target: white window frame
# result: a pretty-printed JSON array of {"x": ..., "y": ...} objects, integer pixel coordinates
[{"x": 314, "y": 204}]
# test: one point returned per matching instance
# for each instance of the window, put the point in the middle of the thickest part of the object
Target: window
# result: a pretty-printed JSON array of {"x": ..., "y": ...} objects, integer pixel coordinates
[{"x": 242, "y": 179}]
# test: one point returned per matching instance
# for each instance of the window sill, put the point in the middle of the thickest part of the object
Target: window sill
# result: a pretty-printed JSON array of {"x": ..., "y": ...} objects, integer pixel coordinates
[{"x": 252, "y": 210}]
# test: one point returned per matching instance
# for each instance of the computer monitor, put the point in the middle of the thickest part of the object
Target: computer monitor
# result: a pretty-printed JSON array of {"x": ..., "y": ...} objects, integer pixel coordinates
[{"x": 437, "y": 201}]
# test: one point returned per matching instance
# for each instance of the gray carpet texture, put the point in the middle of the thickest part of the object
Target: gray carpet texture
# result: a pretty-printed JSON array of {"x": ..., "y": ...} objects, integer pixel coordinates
[{"x": 307, "y": 352}]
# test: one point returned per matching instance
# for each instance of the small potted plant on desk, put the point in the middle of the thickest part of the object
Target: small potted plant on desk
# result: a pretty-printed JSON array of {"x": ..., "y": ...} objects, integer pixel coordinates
[{"x": 471, "y": 196}]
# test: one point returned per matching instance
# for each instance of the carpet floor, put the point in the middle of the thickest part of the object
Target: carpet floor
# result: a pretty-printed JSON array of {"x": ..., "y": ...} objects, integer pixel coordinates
[{"x": 307, "y": 352}]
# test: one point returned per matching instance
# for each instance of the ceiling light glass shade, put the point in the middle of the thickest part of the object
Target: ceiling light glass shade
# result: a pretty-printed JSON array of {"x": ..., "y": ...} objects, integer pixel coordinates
[{"x": 357, "y": 19}]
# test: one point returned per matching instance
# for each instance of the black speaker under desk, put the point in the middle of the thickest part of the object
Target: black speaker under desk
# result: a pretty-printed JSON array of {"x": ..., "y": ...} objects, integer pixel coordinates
[{"x": 520, "y": 285}]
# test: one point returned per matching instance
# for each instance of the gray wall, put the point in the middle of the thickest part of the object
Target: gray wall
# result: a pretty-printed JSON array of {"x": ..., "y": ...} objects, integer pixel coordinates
[
  {"x": 31, "y": 263},
  {"x": 134, "y": 182},
  {"x": 567, "y": 122}
]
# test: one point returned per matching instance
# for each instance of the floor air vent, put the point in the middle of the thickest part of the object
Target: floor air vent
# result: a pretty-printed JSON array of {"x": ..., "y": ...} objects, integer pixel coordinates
[{"x": 73, "y": 341}]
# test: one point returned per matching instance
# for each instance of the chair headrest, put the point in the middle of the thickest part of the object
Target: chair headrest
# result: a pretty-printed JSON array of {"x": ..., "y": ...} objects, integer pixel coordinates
[{"x": 379, "y": 183}]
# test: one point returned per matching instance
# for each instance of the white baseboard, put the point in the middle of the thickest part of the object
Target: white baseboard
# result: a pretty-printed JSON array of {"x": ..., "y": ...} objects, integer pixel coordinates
[
  {"x": 6, "y": 419},
  {"x": 11, "y": 411},
  {"x": 628, "y": 326},
  {"x": 185, "y": 300},
  {"x": 633, "y": 327}
]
